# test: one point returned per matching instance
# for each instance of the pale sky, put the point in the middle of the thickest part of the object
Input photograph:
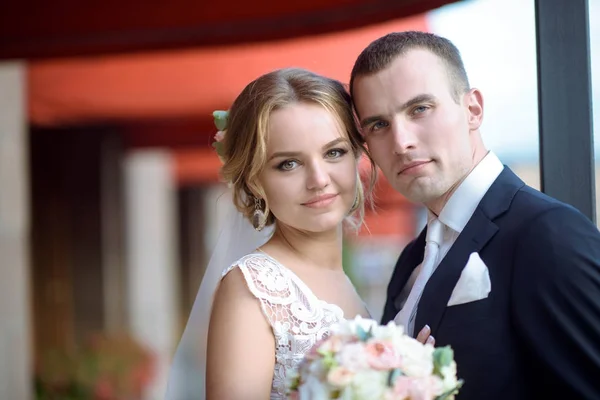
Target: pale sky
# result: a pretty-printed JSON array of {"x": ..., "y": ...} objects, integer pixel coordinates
[{"x": 497, "y": 41}]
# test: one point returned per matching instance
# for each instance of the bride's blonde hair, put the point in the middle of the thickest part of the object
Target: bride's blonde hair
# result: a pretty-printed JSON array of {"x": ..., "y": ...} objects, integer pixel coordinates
[{"x": 244, "y": 145}]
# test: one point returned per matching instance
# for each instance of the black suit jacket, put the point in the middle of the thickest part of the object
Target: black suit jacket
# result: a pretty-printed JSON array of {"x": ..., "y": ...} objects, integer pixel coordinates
[{"x": 537, "y": 335}]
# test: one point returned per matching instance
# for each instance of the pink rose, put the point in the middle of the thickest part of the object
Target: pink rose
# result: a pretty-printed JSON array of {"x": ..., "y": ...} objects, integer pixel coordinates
[
  {"x": 382, "y": 355},
  {"x": 219, "y": 136},
  {"x": 402, "y": 388},
  {"x": 411, "y": 388},
  {"x": 340, "y": 377}
]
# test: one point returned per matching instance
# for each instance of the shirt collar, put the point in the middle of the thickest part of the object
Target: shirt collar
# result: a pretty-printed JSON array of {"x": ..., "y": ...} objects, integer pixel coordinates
[{"x": 463, "y": 202}]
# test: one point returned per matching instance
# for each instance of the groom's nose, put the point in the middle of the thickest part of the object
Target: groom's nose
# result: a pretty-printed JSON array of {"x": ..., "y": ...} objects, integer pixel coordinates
[{"x": 404, "y": 139}]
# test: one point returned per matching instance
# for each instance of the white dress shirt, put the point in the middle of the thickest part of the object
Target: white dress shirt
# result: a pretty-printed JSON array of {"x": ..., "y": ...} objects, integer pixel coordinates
[{"x": 458, "y": 211}]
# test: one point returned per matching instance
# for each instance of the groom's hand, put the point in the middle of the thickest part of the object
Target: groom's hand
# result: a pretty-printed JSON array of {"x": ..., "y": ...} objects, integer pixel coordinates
[{"x": 425, "y": 336}]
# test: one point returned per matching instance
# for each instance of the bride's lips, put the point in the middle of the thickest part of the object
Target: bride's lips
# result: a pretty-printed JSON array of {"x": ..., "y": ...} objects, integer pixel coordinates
[
  {"x": 320, "y": 201},
  {"x": 413, "y": 167}
]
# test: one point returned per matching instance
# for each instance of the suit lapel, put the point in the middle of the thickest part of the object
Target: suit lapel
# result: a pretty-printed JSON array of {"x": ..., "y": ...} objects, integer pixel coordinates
[
  {"x": 405, "y": 266},
  {"x": 477, "y": 233},
  {"x": 439, "y": 288}
]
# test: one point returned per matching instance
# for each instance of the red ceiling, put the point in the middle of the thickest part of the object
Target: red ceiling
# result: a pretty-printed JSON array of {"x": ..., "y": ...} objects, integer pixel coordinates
[
  {"x": 179, "y": 85},
  {"x": 41, "y": 28},
  {"x": 192, "y": 57}
]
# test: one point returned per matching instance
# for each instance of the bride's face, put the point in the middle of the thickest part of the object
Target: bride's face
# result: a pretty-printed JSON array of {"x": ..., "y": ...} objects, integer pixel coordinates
[{"x": 310, "y": 175}]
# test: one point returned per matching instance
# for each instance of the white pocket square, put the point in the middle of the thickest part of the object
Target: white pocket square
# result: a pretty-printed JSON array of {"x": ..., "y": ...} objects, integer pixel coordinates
[{"x": 474, "y": 282}]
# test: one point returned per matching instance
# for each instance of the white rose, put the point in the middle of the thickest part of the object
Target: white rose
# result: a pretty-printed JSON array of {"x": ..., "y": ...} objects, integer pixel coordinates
[
  {"x": 389, "y": 331},
  {"x": 369, "y": 385},
  {"x": 449, "y": 380},
  {"x": 417, "y": 358},
  {"x": 349, "y": 327},
  {"x": 353, "y": 357}
]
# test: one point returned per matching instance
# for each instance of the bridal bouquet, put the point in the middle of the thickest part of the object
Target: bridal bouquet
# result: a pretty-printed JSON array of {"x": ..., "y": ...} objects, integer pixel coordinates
[{"x": 363, "y": 360}]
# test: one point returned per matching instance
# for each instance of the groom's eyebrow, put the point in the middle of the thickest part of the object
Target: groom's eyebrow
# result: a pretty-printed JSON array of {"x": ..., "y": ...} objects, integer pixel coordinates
[
  {"x": 369, "y": 120},
  {"x": 418, "y": 99}
]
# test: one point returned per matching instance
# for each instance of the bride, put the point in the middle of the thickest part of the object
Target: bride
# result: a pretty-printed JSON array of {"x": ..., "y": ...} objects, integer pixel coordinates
[{"x": 290, "y": 151}]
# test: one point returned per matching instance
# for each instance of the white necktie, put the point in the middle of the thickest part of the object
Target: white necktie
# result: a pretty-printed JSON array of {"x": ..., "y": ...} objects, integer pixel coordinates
[{"x": 432, "y": 247}]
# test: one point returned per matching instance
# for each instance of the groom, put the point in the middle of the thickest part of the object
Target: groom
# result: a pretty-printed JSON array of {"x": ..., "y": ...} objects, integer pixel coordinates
[{"x": 507, "y": 276}]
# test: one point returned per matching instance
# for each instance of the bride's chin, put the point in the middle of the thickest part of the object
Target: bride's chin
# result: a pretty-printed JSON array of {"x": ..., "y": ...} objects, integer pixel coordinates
[
  {"x": 329, "y": 222},
  {"x": 326, "y": 225}
]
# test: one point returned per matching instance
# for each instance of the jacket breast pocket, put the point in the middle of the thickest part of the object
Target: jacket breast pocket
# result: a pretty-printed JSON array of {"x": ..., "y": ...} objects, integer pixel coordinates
[{"x": 472, "y": 315}]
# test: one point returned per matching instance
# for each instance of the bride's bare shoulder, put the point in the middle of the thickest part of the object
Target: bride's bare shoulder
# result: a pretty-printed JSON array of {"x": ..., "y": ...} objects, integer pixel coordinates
[
  {"x": 240, "y": 343},
  {"x": 233, "y": 286},
  {"x": 240, "y": 285}
]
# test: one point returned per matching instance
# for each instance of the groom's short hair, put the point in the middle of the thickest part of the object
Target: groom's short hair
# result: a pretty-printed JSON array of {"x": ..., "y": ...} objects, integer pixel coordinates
[{"x": 381, "y": 52}]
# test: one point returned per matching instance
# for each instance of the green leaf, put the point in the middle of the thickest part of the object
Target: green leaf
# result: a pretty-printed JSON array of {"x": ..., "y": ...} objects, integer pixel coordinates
[
  {"x": 450, "y": 392},
  {"x": 295, "y": 383},
  {"x": 363, "y": 335},
  {"x": 219, "y": 148},
  {"x": 442, "y": 357},
  {"x": 329, "y": 361},
  {"x": 221, "y": 119},
  {"x": 324, "y": 353},
  {"x": 394, "y": 374}
]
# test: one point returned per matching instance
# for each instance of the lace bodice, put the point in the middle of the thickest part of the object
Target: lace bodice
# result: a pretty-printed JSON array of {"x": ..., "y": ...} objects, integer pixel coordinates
[{"x": 298, "y": 318}]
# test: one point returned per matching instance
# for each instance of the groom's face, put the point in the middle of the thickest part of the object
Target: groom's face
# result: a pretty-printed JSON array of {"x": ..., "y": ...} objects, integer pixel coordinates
[{"x": 417, "y": 131}]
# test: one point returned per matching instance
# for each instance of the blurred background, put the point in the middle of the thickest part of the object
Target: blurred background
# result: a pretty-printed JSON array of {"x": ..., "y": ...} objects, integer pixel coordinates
[{"x": 109, "y": 184}]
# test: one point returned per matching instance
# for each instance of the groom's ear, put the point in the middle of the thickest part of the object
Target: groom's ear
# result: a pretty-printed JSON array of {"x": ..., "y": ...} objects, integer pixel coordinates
[{"x": 474, "y": 104}]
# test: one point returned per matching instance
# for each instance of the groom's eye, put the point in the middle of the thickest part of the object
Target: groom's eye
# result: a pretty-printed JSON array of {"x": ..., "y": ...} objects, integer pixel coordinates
[
  {"x": 419, "y": 110},
  {"x": 378, "y": 125}
]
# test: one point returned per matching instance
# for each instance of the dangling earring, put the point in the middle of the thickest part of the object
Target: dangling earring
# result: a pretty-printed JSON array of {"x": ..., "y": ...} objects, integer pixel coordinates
[{"x": 259, "y": 219}]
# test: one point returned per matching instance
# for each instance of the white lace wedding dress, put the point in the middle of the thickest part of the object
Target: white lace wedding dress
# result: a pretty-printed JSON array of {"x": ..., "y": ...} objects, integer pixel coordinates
[{"x": 298, "y": 318}]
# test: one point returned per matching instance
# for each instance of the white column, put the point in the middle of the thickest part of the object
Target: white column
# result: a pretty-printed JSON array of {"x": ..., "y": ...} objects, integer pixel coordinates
[
  {"x": 15, "y": 311},
  {"x": 151, "y": 258}
]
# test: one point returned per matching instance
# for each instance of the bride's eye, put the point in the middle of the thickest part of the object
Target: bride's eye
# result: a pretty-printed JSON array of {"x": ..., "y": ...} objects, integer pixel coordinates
[
  {"x": 287, "y": 165},
  {"x": 335, "y": 153}
]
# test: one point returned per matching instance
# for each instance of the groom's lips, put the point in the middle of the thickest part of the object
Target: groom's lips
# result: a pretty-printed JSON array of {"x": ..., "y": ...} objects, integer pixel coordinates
[{"x": 412, "y": 167}]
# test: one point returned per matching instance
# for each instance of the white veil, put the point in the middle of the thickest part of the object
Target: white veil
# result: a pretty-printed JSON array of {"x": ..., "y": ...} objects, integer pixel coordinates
[{"x": 236, "y": 238}]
